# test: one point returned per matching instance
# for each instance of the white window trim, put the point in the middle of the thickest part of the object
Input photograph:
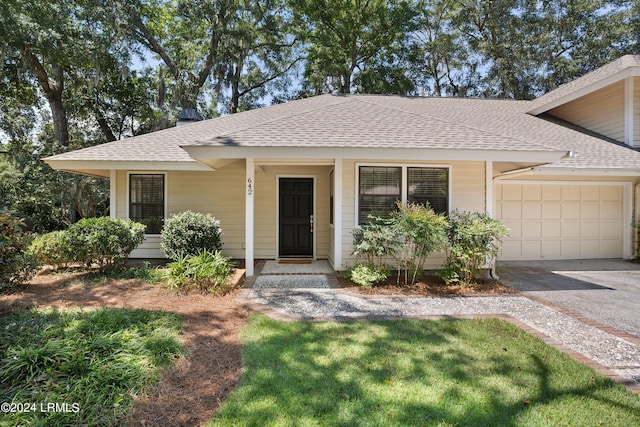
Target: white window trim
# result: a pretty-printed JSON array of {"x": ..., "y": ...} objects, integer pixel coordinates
[
  {"x": 403, "y": 182},
  {"x": 166, "y": 192}
]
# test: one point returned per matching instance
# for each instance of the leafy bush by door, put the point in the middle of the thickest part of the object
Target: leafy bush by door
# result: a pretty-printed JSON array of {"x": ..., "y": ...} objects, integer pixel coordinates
[{"x": 189, "y": 233}]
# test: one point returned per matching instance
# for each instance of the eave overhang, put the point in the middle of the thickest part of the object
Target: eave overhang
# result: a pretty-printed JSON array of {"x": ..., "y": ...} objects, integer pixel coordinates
[
  {"x": 203, "y": 153},
  {"x": 102, "y": 167}
]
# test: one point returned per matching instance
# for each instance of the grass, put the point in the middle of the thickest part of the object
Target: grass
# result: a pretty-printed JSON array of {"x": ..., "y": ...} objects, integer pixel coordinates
[
  {"x": 415, "y": 372},
  {"x": 98, "y": 360}
]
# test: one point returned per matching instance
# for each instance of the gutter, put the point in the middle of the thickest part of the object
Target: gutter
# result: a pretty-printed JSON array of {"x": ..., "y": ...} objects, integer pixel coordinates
[{"x": 515, "y": 173}]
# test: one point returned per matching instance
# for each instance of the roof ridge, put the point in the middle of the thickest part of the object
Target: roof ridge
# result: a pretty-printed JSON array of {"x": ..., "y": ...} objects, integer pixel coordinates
[
  {"x": 461, "y": 124},
  {"x": 275, "y": 119}
]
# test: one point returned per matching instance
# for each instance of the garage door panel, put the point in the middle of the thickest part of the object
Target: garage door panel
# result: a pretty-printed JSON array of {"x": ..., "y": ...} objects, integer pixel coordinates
[
  {"x": 570, "y": 210},
  {"x": 556, "y": 221},
  {"x": 610, "y": 211},
  {"x": 589, "y": 230},
  {"x": 551, "y": 229},
  {"x": 512, "y": 192},
  {"x": 515, "y": 228},
  {"x": 570, "y": 247},
  {"x": 552, "y": 210},
  {"x": 511, "y": 210},
  {"x": 571, "y": 192},
  {"x": 570, "y": 229},
  {"x": 551, "y": 193},
  {"x": 532, "y": 211},
  {"x": 533, "y": 229},
  {"x": 610, "y": 229},
  {"x": 531, "y": 249},
  {"x": 551, "y": 249},
  {"x": 590, "y": 193},
  {"x": 590, "y": 210},
  {"x": 532, "y": 193}
]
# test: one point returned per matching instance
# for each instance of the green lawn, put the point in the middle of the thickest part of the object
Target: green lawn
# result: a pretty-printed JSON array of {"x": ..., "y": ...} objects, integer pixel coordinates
[
  {"x": 480, "y": 372},
  {"x": 90, "y": 363}
]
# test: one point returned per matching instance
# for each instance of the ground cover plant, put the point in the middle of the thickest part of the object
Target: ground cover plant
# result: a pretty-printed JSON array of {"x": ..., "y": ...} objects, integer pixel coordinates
[
  {"x": 92, "y": 363},
  {"x": 185, "y": 394},
  {"x": 16, "y": 266},
  {"x": 415, "y": 372}
]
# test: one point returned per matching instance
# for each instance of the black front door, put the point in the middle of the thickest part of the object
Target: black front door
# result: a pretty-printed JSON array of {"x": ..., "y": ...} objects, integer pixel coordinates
[{"x": 296, "y": 217}]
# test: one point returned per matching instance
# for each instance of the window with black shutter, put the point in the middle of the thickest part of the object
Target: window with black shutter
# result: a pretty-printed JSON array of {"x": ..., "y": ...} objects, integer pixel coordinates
[{"x": 146, "y": 201}]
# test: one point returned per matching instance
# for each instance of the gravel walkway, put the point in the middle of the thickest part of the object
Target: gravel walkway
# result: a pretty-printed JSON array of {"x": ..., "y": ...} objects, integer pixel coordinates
[{"x": 614, "y": 353}]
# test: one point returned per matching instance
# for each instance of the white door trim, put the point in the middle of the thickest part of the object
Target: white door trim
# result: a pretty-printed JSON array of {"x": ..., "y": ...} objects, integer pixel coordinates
[{"x": 315, "y": 216}]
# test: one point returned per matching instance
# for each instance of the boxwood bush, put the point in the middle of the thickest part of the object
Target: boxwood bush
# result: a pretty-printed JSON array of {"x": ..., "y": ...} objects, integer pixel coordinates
[
  {"x": 52, "y": 249},
  {"x": 103, "y": 241},
  {"x": 189, "y": 233}
]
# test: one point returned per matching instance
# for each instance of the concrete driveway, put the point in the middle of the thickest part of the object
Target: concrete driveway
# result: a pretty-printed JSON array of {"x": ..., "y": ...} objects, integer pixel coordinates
[{"x": 606, "y": 291}]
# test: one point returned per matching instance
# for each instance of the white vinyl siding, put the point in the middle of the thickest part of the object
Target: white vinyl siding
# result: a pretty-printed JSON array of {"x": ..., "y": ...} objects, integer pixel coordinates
[{"x": 601, "y": 111}]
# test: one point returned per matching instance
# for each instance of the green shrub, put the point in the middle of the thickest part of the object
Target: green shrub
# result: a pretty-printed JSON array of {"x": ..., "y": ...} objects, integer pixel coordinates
[
  {"x": 473, "y": 241},
  {"x": 103, "y": 241},
  {"x": 206, "y": 271},
  {"x": 375, "y": 241},
  {"x": 188, "y": 233},
  {"x": 421, "y": 232},
  {"x": 367, "y": 275},
  {"x": 16, "y": 264},
  {"x": 52, "y": 249}
]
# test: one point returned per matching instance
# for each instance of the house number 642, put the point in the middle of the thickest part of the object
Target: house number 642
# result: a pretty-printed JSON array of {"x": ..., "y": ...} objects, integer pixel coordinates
[{"x": 249, "y": 186}]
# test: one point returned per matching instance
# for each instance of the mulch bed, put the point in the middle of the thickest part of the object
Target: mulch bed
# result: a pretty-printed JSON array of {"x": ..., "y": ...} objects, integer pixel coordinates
[
  {"x": 430, "y": 286},
  {"x": 190, "y": 392}
]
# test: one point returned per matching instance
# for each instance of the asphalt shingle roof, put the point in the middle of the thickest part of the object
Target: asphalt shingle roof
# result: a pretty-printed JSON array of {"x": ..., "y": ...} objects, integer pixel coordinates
[{"x": 367, "y": 121}]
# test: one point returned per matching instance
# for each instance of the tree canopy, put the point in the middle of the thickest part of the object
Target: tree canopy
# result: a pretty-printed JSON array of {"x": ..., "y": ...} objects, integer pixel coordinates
[{"x": 75, "y": 73}]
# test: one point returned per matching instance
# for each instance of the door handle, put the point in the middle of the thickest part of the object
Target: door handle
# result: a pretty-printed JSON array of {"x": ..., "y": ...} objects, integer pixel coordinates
[{"x": 311, "y": 222}]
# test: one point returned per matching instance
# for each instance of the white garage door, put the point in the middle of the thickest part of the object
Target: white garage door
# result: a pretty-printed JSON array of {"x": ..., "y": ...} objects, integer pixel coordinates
[{"x": 560, "y": 221}]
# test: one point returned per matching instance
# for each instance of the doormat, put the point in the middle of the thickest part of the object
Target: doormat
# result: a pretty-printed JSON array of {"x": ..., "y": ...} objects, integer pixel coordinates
[{"x": 294, "y": 261}]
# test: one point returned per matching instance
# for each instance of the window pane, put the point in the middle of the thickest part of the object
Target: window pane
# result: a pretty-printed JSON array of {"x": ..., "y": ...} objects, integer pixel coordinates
[
  {"x": 429, "y": 185},
  {"x": 146, "y": 204},
  {"x": 379, "y": 190}
]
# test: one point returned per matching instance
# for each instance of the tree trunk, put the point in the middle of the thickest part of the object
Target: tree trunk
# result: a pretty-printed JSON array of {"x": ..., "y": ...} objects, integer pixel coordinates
[
  {"x": 235, "y": 89},
  {"x": 53, "y": 87}
]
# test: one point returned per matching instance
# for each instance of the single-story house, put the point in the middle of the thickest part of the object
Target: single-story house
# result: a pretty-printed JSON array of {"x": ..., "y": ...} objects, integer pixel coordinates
[{"x": 293, "y": 180}]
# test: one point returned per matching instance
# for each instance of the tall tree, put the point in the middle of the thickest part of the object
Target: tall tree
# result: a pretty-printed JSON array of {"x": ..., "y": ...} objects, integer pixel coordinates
[
  {"x": 262, "y": 51},
  {"x": 345, "y": 36},
  {"x": 437, "y": 54},
  {"x": 189, "y": 37}
]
